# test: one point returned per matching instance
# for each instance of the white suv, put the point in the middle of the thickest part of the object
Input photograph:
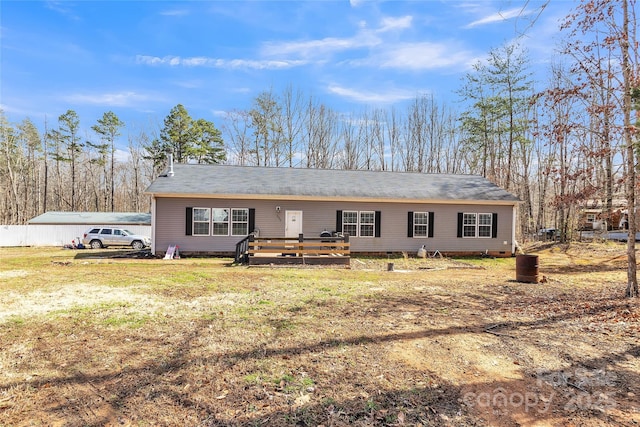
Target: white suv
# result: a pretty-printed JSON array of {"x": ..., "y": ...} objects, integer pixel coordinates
[{"x": 101, "y": 237}]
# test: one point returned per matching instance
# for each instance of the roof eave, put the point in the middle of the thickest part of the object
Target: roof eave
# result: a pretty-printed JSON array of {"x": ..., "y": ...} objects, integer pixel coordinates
[{"x": 332, "y": 199}]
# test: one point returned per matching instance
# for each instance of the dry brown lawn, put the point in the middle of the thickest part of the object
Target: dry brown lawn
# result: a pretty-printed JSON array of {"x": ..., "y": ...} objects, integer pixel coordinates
[{"x": 89, "y": 339}]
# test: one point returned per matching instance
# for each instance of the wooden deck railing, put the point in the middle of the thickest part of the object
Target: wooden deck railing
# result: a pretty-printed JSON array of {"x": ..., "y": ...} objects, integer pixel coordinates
[
  {"x": 287, "y": 250},
  {"x": 242, "y": 250}
]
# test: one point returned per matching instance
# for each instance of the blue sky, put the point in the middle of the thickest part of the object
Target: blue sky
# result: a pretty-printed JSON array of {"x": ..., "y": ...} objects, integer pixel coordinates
[{"x": 141, "y": 58}]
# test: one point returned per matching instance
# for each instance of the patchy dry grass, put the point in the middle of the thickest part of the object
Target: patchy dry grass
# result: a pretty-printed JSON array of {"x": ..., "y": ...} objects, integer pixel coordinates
[{"x": 88, "y": 339}]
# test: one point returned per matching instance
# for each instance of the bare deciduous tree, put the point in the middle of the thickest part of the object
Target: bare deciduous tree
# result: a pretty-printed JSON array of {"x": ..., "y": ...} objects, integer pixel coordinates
[{"x": 603, "y": 34}]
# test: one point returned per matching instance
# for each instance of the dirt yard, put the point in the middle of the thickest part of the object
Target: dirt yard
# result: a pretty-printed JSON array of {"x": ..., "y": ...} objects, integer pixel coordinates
[{"x": 90, "y": 339}]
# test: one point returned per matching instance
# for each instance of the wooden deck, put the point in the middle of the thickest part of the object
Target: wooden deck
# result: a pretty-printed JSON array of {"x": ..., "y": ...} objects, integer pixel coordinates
[{"x": 303, "y": 251}]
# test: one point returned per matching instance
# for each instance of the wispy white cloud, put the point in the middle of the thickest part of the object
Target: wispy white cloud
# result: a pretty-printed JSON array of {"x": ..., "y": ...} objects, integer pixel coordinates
[
  {"x": 320, "y": 47},
  {"x": 219, "y": 113},
  {"x": 189, "y": 84},
  {"x": 202, "y": 61},
  {"x": 13, "y": 109},
  {"x": 278, "y": 55},
  {"x": 472, "y": 7},
  {"x": 175, "y": 12},
  {"x": 425, "y": 56},
  {"x": 364, "y": 38},
  {"x": 499, "y": 16},
  {"x": 117, "y": 99},
  {"x": 390, "y": 23},
  {"x": 371, "y": 97},
  {"x": 62, "y": 8},
  {"x": 379, "y": 53},
  {"x": 418, "y": 56}
]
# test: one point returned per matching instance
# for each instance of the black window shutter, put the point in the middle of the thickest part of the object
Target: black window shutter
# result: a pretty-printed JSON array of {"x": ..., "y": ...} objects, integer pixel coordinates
[
  {"x": 339, "y": 221},
  {"x": 410, "y": 224},
  {"x": 431, "y": 216},
  {"x": 460, "y": 224},
  {"x": 378, "y": 216},
  {"x": 189, "y": 222},
  {"x": 494, "y": 225},
  {"x": 252, "y": 220}
]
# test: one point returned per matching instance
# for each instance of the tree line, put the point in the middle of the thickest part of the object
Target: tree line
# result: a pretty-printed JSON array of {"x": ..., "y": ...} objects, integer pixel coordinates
[{"x": 558, "y": 144}]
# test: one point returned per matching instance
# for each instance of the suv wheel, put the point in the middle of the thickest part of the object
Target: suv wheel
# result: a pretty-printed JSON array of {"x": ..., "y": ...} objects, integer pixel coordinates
[
  {"x": 96, "y": 244},
  {"x": 137, "y": 245}
]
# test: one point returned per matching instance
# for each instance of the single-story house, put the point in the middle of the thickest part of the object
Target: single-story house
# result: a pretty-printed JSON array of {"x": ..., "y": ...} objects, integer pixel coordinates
[{"x": 208, "y": 209}]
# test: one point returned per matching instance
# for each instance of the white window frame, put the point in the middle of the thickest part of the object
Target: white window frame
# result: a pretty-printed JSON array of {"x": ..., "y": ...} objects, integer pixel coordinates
[
  {"x": 485, "y": 225},
  {"x": 481, "y": 221},
  {"x": 358, "y": 225},
  {"x": 362, "y": 224},
  {"x": 469, "y": 226},
  {"x": 214, "y": 222},
  {"x": 350, "y": 224},
  {"x": 233, "y": 222},
  {"x": 419, "y": 226},
  {"x": 195, "y": 221}
]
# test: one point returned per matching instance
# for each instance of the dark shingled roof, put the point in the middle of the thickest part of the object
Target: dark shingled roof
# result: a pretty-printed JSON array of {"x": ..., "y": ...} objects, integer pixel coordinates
[{"x": 266, "y": 182}]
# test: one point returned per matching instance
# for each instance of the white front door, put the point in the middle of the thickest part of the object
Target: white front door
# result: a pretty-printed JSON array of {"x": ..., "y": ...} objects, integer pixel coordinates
[{"x": 293, "y": 224}]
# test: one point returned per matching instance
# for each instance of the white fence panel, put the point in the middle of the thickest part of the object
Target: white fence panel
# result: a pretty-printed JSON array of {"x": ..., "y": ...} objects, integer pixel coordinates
[
  {"x": 13, "y": 235},
  {"x": 52, "y": 235}
]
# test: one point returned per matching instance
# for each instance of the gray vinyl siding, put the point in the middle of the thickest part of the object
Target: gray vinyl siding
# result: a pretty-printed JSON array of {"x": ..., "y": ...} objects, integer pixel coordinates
[{"x": 321, "y": 215}]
